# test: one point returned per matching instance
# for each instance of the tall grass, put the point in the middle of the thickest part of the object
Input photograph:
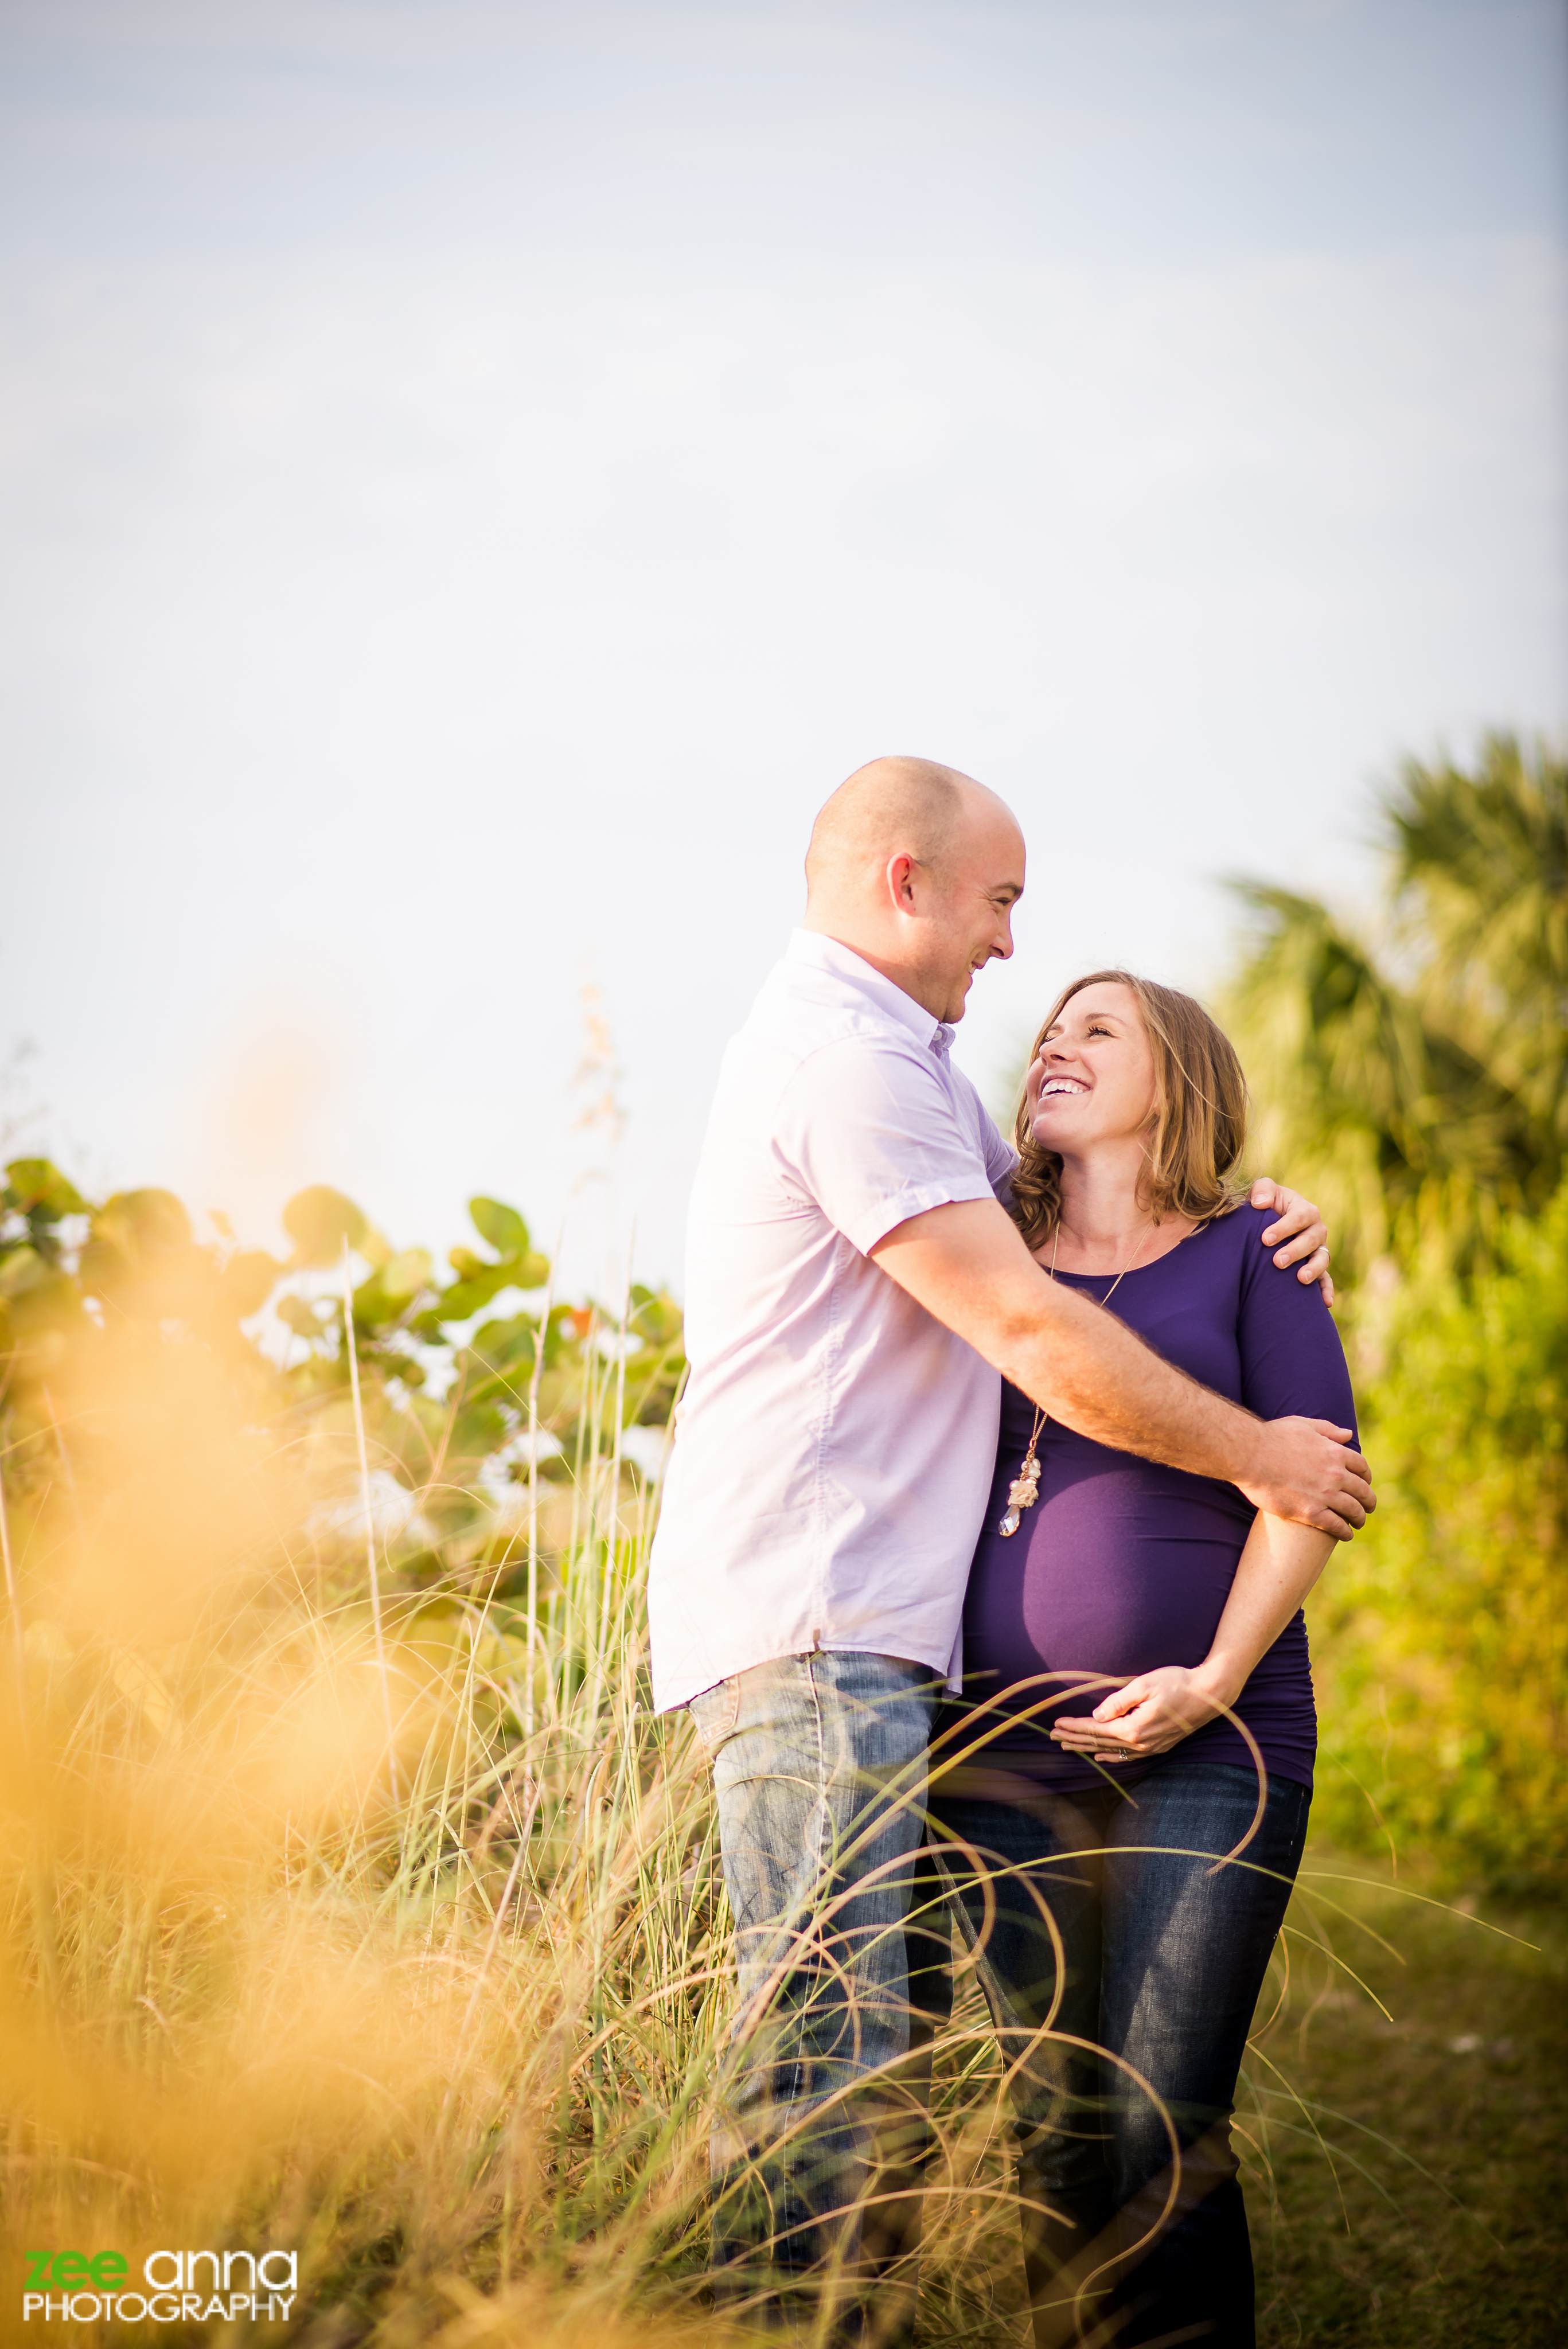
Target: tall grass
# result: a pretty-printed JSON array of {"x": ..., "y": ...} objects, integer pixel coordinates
[
  {"x": 376, "y": 1923},
  {"x": 383, "y": 1923},
  {"x": 435, "y": 2008}
]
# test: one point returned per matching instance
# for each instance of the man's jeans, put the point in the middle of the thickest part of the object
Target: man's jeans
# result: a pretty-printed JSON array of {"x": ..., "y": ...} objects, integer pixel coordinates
[
  {"x": 819, "y": 1764},
  {"x": 1162, "y": 1955}
]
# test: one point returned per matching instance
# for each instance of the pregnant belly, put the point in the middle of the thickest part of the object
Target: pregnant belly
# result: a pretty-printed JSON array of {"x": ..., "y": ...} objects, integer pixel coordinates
[{"x": 1105, "y": 1575}]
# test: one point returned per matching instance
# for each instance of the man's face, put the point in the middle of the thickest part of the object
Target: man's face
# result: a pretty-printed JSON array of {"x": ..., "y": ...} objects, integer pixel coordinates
[{"x": 971, "y": 915}]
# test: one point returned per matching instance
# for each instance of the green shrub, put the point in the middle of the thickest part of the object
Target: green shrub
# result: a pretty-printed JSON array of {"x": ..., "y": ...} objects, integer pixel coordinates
[{"x": 1442, "y": 1632}]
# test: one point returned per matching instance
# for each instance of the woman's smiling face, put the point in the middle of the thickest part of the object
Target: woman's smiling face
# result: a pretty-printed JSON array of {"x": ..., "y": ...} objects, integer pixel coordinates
[{"x": 1093, "y": 1079}]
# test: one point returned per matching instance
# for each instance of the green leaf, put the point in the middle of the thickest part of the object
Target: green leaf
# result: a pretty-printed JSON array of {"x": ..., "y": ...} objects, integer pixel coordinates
[
  {"x": 502, "y": 1345},
  {"x": 388, "y": 1292},
  {"x": 503, "y": 1227},
  {"x": 298, "y": 1314},
  {"x": 318, "y": 1220},
  {"x": 34, "y": 1186},
  {"x": 134, "y": 1220},
  {"x": 39, "y": 1296},
  {"x": 24, "y": 1270},
  {"x": 426, "y": 1327},
  {"x": 466, "y": 1297},
  {"x": 407, "y": 1274},
  {"x": 247, "y": 1281}
]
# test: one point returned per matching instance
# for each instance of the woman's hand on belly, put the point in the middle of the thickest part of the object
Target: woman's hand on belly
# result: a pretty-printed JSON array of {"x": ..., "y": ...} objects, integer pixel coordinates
[
  {"x": 1149, "y": 1715},
  {"x": 1157, "y": 1710}
]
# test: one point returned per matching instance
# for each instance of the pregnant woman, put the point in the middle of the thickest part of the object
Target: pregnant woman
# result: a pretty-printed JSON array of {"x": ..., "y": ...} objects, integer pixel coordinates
[{"x": 1133, "y": 1767}]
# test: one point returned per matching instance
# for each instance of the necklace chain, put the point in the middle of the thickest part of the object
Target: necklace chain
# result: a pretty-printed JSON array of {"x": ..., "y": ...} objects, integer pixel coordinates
[{"x": 1024, "y": 1489}]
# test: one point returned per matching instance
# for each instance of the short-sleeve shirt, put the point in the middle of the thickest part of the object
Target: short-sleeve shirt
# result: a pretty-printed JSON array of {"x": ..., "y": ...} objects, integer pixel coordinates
[
  {"x": 1122, "y": 1565},
  {"x": 835, "y": 1442}
]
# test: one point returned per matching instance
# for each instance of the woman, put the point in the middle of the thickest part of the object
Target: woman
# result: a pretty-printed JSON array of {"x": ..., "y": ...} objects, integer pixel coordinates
[{"x": 1132, "y": 1770}]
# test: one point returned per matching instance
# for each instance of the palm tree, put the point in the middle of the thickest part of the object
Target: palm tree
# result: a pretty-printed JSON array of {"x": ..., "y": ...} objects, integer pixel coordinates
[
  {"x": 1484, "y": 860},
  {"x": 1415, "y": 1078}
]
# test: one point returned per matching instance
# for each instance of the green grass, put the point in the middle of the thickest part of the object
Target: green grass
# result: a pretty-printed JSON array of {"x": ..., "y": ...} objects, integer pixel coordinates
[
  {"x": 1403, "y": 2194},
  {"x": 1451, "y": 2228}
]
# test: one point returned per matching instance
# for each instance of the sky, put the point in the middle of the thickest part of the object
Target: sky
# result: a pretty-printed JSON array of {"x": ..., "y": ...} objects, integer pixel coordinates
[{"x": 474, "y": 477}]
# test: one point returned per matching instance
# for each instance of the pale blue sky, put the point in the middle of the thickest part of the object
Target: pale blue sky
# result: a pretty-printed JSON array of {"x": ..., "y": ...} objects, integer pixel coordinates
[{"x": 474, "y": 477}]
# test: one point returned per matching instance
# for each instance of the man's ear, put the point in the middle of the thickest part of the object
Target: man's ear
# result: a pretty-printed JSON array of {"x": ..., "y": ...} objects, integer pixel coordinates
[{"x": 901, "y": 871}]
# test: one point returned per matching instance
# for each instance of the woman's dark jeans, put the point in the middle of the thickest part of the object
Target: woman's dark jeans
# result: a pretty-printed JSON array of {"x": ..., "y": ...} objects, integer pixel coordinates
[{"x": 1163, "y": 1954}]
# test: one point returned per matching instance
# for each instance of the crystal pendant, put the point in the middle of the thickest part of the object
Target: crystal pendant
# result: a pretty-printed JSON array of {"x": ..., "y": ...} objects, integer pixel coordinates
[{"x": 1010, "y": 1522}]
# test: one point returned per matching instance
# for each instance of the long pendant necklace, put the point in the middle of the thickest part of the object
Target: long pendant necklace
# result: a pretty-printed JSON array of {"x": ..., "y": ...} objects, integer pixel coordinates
[{"x": 1024, "y": 1489}]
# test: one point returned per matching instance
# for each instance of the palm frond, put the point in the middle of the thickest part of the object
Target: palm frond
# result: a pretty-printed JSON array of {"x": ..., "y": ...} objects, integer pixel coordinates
[
  {"x": 1405, "y": 1136},
  {"x": 1482, "y": 871}
]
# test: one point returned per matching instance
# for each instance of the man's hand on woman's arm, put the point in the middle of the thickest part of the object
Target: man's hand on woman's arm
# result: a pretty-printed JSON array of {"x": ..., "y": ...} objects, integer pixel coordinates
[
  {"x": 967, "y": 1265},
  {"x": 1298, "y": 1224},
  {"x": 1154, "y": 1711}
]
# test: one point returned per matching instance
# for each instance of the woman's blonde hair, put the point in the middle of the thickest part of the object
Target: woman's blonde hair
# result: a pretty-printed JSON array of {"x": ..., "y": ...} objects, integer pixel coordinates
[{"x": 1199, "y": 1129}]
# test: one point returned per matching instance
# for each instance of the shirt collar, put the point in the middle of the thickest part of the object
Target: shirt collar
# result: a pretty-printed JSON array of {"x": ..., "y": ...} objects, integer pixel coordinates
[{"x": 810, "y": 947}]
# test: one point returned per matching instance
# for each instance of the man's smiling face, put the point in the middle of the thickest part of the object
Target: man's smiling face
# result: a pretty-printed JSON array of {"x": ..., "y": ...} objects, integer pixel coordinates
[{"x": 981, "y": 883}]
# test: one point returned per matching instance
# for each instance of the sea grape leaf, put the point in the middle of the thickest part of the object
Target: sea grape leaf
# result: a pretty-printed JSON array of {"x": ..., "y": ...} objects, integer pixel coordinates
[
  {"x": 247, "y": 1280},
  {"x": 407, "y": 1274},
  {"x": 318, "y": 1220},
  {"x": 34, "y": 1186},
  {"x": 466, "y": 1297},
  {"x": 501, "y": 1345},
  {"x": 151, "y": 1219},
  {"x": 501, "y": 1225},
  {"x": 389, "y": 1291},
  {"x": 298, "y": 1314},
  {"x": 45, "y": 1300},
  {"x": 22, "y": 1270}
]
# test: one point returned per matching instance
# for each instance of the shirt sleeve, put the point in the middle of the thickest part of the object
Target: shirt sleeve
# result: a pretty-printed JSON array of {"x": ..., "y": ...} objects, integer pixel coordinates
[
  {"x": 1291, "y": 1361},
  {"x": 1000, "y": 1159},
  {"x": 870, "y": 1135}
]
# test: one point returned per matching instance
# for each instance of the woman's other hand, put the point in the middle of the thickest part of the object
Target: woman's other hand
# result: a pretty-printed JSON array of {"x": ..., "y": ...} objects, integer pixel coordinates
[
  {"x": 1148, "y": 1715},
  {"x": 1300, "y": 1228}
]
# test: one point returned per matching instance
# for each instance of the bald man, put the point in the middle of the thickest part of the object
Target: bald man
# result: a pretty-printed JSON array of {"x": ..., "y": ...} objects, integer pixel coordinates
[{"x": 854, "y": 1288}]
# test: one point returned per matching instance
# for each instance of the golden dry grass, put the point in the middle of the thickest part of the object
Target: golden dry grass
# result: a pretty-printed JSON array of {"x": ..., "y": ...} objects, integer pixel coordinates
[{"x": 440, "y": 2021}]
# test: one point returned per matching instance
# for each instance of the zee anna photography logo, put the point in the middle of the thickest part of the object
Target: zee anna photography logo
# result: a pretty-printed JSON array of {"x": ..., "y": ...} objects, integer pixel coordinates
[{"x": 83, "y": 2288}]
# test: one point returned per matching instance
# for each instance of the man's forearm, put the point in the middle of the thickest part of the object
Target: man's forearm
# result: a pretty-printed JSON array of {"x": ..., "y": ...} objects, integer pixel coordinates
[
  {"x": 1078, "y": 1361},
  {"x": 1093, "y": 1374},
  {"x": 966, "y": 1264}
]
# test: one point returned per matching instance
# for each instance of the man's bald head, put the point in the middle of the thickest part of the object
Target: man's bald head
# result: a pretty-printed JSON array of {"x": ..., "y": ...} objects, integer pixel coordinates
[
  {"x": 892, "y": 807},
  {"x": 917, "y": 868}
]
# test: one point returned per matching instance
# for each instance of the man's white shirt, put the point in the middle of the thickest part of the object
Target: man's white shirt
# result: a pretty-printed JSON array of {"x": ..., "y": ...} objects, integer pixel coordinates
[{"x": 836, "y": 1444}]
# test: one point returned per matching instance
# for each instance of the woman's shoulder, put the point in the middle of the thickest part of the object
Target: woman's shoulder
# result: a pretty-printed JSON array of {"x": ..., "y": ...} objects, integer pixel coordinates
[
  {"x": 1276, "y": 1292},
  {"x": 1233, "y": 1253},
  {"x": 1244, "y": 1221},
  {"x": 1235, "y": 1231}
]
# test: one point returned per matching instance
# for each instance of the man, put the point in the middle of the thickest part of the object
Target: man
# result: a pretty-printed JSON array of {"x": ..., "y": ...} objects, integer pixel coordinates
[{"x": 854, "y": 1287}]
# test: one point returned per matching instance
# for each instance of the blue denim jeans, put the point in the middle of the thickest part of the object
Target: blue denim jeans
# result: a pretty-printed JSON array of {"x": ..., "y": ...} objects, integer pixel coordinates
[
  {"x": 1123, "y": 1967},
  {"x": 819, "y": 1766}
]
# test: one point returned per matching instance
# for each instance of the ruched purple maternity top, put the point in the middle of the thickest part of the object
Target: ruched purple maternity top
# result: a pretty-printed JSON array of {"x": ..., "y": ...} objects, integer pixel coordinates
[{"x": 1122, "y": 1566}]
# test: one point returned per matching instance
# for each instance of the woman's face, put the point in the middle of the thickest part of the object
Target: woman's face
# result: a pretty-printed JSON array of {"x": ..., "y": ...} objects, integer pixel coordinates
[{"x": 1093, "y": 1079}]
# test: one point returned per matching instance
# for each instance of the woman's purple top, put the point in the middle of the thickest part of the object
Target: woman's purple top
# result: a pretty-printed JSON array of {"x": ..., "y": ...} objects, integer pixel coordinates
[{"x": 1122, "y": 1566}]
